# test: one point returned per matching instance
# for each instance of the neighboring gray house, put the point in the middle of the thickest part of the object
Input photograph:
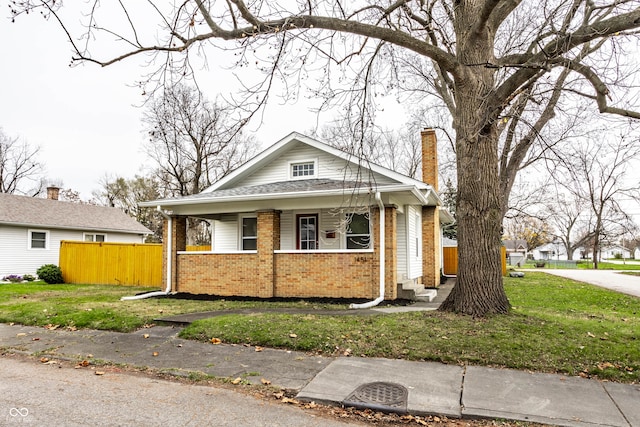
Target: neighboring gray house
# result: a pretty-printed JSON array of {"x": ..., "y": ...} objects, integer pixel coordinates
[{"x": 31, "y": 229}]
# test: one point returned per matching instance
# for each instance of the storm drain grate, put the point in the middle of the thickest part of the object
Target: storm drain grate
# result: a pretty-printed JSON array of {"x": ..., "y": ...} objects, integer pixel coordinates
[{"x": 381, "y": 396}]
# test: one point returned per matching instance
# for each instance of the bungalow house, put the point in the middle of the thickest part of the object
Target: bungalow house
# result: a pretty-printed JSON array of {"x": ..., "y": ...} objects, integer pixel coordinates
[
  {"x": 31, "y": 229},
  {"x": 303, "y": 219}
]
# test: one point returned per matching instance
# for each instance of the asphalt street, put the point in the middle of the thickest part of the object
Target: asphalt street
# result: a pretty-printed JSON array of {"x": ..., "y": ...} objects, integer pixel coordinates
[{"x": 39, "y": 394}]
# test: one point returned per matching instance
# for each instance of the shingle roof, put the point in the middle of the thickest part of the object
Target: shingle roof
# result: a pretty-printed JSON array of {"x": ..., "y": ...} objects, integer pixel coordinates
[
  {"x": 304, "y": 185},
  {"x": 37, "y": 212}
]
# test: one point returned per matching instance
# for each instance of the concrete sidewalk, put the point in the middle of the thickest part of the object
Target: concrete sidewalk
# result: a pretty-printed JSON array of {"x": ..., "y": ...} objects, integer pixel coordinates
[{"x": 393, "y": 385}]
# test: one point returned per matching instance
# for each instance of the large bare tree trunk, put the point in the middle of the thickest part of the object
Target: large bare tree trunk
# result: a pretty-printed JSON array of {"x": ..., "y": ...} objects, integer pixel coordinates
[{"x": 479, "y": 289}]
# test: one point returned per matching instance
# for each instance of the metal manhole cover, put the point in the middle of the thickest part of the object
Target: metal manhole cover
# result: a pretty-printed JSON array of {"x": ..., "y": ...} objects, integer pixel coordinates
[{"x": 380, "y": 396}]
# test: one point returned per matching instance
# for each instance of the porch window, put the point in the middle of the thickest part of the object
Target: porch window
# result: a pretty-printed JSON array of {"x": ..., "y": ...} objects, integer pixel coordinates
[
  {"x": 307, "y": 231},
  {"x": 358, "y": 233},
  {"x": 38, "y": 239},
  {"x": 249, "y": 233}
]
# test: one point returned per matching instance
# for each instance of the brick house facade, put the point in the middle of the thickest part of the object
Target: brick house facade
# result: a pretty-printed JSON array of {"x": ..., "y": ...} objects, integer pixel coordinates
[{"x": 294, "y": 223}]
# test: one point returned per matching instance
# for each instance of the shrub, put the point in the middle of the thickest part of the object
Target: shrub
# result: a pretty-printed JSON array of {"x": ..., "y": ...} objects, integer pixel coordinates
[
  {"x": 50, "y": 273},
  {"x": 13, "y": 278},
  {"x": 29, "y": 277}
]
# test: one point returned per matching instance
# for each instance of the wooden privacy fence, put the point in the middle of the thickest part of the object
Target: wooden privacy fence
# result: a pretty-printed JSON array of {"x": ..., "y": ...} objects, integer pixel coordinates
[
  {"x": 450, "y": 261},
  {"x": 103, "y": 263}
]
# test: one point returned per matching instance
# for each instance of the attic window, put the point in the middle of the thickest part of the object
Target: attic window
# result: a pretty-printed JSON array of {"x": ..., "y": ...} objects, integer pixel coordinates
[{"x": 305, "y": 169}]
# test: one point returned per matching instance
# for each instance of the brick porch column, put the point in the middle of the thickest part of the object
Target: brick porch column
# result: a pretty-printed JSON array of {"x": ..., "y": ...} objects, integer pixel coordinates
[
  {"x": 268, "y": 241},
  {"x": 178, "y": 243},
  {"x": 430, "y": 246}
]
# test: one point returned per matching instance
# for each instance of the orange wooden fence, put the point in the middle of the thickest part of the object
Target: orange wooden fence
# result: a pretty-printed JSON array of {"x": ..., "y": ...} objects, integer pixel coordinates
[{"x": 450, "y": 261}]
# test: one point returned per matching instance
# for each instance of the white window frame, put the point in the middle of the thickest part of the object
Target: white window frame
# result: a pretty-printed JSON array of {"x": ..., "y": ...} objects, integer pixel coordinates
[
  {"x": 93, "y": 237},
  {"x": 291, "y": 164},
  {"x": 347, "y": 234},
  {"x": 30, "y": 239},
  {"x": 241, "y": 237}
]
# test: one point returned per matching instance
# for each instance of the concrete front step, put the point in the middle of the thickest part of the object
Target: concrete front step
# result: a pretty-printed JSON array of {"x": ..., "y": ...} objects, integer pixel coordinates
[
  {"x": 426, "y": 295},
  {"x": 416, "y": 292}
]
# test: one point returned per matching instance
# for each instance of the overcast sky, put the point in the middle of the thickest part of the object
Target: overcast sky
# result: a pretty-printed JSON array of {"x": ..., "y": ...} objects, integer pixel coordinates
[{"x": 86, "y": 119}]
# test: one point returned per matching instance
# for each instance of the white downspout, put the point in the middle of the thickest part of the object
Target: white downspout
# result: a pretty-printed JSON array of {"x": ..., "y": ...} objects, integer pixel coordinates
[
  {"x": 169, "y": 246},
  {"x": 382, "y": 259}
]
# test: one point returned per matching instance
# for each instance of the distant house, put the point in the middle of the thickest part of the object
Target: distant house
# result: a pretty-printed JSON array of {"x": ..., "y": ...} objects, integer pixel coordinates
[
  {"x": 614, "y": 251},
  {"x": 31, "y": 229},
  {"x": 303, "y": 219},
  {"x": 516, "y": 250},
  {"x": 552, "y": 251}
]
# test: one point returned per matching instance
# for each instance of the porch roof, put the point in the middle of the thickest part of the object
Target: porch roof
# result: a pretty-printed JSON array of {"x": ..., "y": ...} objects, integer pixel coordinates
[{"x": 279, "y": 195}]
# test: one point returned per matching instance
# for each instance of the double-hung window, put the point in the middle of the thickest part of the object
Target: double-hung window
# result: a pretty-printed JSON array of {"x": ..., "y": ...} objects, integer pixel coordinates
[
  {"x": 358, "y": 232},
  {"x": 249, "y": 233},
  {"x": 38, "y": 239}
]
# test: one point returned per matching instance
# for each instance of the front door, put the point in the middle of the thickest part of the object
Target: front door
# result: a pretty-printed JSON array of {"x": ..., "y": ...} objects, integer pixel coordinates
[{"x": 307, "y": 231}]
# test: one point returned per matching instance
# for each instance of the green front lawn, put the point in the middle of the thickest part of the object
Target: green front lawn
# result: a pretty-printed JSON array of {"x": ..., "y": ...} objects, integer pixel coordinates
[{"x": 556, "y": 325}]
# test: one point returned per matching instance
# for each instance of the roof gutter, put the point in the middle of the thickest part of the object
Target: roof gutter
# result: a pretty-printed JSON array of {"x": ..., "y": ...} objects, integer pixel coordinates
[
  {"x": 382, "y": 259},
  {"x": 167, "y": 291}
]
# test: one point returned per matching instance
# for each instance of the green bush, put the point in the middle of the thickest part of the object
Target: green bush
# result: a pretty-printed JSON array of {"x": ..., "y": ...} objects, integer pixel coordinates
[
  {"x": 29, "y": 277},
  {"x": 50, "y": 273}
]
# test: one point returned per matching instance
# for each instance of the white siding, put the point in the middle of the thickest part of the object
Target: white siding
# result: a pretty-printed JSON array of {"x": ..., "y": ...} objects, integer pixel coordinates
[
  {"x": 225, "y": 234},
  {"x": 414, "y": 241},
  {"x": 329, "y": 167},
  {"x": 401, "y": 235},
  {"x": 287, "y": 231},
  {"x": 328, "y": 221},
  {"x": 17, "y": 258}
]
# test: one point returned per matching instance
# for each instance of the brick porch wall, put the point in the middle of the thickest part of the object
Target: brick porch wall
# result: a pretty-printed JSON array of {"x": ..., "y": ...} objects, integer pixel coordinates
[
  {"x": 219, "y": 274},
  {"x": 267, "y": 274},
  {"x": 326, "y": 275}
]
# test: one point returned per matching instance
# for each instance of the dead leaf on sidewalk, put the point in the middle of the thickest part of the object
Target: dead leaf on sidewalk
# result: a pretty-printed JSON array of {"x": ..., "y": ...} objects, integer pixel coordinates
[
  {"x": 155, "y": 353},
  {"x": 145, "y": 336},
  {"x": 21, "y": 334},
  {"x": 216, "y": 341},
  {"x": 44, "y": 359},
  {"x": 236, "y": 381},
  {"x": 99, "y": 373},
  {"x": 265, "y": 381},
  {"x": 258, "y": 348},
  {"x": 83, "y": 364}
]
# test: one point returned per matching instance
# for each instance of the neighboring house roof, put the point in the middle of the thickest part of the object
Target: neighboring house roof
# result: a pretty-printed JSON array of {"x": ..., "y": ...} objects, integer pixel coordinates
[
  {"x": 46, "y": 213},
  {"x": 515, "y": 245}
]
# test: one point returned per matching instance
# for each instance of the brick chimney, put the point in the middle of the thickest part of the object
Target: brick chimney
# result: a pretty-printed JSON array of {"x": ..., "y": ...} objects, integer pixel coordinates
[
  {"x": 53, "y": 192},
  {"x": 430, "y": 157}
]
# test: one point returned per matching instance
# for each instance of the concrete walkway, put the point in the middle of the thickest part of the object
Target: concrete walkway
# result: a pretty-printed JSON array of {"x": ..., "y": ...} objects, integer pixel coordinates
[
  {"x": 610, "y": 279},
  {"x": 429, "y": 388}
]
